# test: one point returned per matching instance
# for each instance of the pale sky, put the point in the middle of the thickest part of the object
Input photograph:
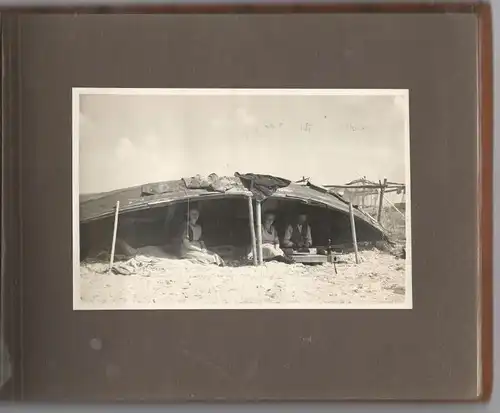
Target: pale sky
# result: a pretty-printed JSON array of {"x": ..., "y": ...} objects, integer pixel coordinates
[{"x": 128, "y": 140}]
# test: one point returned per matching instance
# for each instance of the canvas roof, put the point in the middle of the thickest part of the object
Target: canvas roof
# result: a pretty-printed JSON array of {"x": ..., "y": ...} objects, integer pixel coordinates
[{"x": 97, "y": 206}]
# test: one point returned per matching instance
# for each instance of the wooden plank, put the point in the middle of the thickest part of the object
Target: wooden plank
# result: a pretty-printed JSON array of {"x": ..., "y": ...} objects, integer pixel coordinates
[
  {"x": 310, "y": 259},
  {"x": 353, "y": 186},
  {"x": 258, "y": 211},
  {"x": 252, "y": 230},
  {"x": 364, "y": 186},
  {"x": 353, "y": 232},
  {"x": 381, "y": 200},
  {"x": 115, "y": 230}
]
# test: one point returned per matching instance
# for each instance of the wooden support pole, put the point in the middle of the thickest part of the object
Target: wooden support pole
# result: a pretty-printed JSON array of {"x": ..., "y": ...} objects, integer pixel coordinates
[
  {"x": 115, "y": 229},
  {"x": 381, "y": 200},
  {"x": 353, "y": 232},
  {"x": 389, "y": 190},
  {"x": 258, "y": 211},
  {"x": 252, "y": 229}
]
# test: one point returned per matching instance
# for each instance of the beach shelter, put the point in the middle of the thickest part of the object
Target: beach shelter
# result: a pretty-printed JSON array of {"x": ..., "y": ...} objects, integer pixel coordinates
[{"x": 230, "y": 207}]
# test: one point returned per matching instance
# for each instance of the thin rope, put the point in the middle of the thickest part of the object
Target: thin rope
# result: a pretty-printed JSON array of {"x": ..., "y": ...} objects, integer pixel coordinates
[{"x": 187, "y": 220}]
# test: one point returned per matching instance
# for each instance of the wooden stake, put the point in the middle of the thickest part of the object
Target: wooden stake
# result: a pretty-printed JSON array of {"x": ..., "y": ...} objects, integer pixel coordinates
[
  {"x": 114, "y": 236},
  {"x": 259, "y": 231},
  {"x": 252, "y": 230},
  {"x": 353, "y": 231},
  {"x": 381, "y": 201}
]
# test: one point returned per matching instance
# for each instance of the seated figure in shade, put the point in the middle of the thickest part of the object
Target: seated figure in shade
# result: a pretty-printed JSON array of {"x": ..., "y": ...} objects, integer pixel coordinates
[
  {"x": 271, "y": 250},
  {"x": 192, "y": 246},
  {"x": 298, "y": 235},
  {"x": 189, "y": 245}
]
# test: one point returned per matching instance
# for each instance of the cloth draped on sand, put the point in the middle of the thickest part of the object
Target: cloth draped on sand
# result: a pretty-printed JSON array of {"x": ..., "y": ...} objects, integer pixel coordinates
[
  {"x": 193, "y": 235},
  {"x": 202, "y": 257},
  {"x": 269, "y": 251},
  {"x": 270, "y": 245}
]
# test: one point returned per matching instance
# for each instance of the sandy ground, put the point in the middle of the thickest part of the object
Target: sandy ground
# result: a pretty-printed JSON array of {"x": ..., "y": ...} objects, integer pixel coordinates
[{"x": 378, "y": 279}]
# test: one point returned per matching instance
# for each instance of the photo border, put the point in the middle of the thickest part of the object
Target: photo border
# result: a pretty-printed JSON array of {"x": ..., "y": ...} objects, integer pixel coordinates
[{"x": 78, "y": 91}]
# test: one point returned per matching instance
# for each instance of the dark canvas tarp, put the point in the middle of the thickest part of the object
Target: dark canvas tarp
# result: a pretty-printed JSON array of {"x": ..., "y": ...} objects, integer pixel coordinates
[{"x": 262, "y": 186}]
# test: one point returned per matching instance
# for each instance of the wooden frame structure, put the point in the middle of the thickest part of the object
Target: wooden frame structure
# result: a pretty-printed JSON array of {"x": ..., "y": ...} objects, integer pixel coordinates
[{"x": 363, "y": 187}]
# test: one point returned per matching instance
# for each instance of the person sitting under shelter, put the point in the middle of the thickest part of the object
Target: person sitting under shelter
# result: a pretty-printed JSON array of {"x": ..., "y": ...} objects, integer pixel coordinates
[
  {"x": 271, "y": 250},
  {"x": 298, "y": 235},
  {"x": 192, "y": 246}
]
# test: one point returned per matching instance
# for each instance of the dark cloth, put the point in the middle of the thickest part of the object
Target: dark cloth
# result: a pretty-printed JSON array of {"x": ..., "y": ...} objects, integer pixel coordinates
[
  {"x": 262, "y": 186},
  {"x": 190, "y": 233},
  {"x": 295, "y": 237},
  {"x": 299, "y": 238}
]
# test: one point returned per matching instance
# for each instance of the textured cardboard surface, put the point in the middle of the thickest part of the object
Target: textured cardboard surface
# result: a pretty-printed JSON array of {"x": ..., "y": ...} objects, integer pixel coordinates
[{"x": 429, "y": 352}]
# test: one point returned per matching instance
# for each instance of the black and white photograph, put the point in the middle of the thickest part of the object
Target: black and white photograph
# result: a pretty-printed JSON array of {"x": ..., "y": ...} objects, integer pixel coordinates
[{"x": 241, "y": 199}]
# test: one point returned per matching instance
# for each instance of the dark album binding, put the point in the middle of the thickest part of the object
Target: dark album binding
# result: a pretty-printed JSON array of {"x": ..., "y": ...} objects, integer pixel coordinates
[{"x": 246, "y": 203}]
